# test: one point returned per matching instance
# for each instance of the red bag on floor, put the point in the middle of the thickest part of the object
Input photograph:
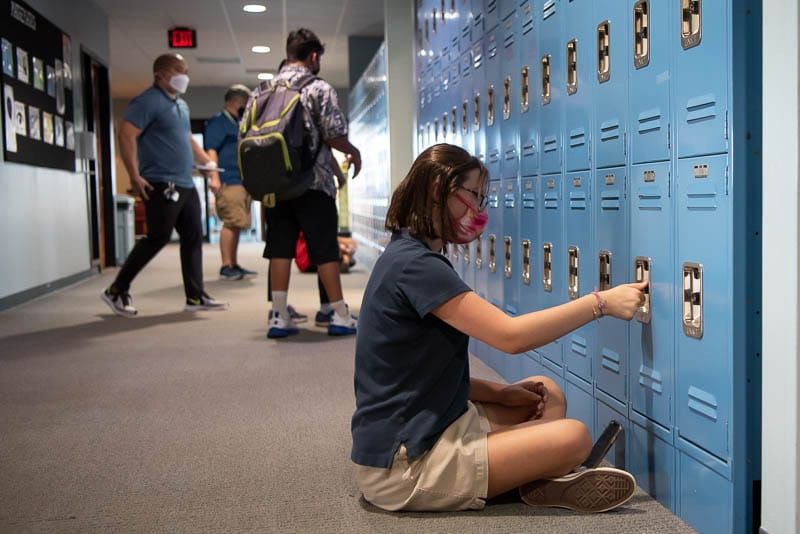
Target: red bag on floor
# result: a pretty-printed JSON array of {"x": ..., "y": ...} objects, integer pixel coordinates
[{"x": 301, "y": 254}]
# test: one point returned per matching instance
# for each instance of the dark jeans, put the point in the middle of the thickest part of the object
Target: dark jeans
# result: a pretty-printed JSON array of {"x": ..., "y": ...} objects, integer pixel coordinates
[{"x": 162, "y": 216}]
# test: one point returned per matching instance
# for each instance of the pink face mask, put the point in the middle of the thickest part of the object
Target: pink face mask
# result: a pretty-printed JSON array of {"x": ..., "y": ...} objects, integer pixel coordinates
[{"x": 470, "y": 225}]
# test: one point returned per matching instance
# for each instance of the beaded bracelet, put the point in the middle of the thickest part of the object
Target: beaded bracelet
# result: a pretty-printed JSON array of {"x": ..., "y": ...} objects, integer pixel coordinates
[{"x": 600, "y": 304}]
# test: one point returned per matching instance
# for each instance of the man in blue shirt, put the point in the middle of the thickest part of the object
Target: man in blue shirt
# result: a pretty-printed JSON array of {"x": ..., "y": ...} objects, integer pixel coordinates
[
  {"x": 232, "y": 201},
  {"x": 156, "y": 146}
]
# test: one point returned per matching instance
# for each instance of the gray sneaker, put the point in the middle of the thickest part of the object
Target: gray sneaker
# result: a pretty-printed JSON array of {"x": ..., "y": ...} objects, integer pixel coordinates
[
  {"x": 120, "y": 303},
  {"x": 204, "y": 303},
  {"x": 596, "y": 489}
]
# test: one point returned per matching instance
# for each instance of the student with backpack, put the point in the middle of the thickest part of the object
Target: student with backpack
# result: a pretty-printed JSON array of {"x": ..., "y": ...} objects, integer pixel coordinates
[{"x": 272, "y": 148}]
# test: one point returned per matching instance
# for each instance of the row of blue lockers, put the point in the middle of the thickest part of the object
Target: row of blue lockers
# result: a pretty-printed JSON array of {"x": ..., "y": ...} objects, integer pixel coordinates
[
  {"x": 608, "y": 129},
  {"x": 554, "y": 86}
]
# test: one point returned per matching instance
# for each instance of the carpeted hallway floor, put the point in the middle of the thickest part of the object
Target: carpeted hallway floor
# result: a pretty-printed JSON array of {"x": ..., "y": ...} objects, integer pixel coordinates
[{"x": 181, "y": 422}]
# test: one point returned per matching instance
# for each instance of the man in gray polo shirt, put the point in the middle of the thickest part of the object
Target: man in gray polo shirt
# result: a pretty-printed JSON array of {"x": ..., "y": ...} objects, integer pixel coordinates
[{"x": 156, "y": 145}]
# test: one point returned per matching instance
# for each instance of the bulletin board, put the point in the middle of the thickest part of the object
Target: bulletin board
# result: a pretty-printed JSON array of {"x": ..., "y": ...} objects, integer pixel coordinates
[{"x": 38, "y": 125}]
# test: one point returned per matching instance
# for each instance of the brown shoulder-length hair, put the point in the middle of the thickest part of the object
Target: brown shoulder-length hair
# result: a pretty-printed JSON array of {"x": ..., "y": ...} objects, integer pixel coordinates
[{"x": 436, "y": 172}]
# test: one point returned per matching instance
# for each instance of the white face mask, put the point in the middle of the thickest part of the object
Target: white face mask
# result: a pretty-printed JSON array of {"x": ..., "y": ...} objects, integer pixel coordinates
[{"x": 179, "y": 82}]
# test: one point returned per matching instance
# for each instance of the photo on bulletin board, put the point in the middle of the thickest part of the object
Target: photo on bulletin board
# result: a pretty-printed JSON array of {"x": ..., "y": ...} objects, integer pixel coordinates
[
  {"x": 60, "y": 101},
  {"x": 67, "y": 55},
  {"x": 47, "y": 127},
  {"x": 20, "y": 119},
  {"x": 8, "y": 58},
  {"x": 38, "y": 74},
  {"x": 8, "y": 119},
  {"x": 51, "y": 81},
  {"x": 34, "y": 123},
  {"x": 69, "y": 135},
  {"x": 23, "y": 69},
  {"x": 59, "y": 130}
]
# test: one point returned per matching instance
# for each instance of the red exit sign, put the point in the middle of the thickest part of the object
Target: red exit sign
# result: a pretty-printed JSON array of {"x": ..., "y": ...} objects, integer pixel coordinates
[{"x": 182, "y": 38}]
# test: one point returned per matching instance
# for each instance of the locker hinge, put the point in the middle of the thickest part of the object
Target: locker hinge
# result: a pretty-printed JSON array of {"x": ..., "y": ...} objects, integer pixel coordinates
[
  {"x": 669, "y": 183},
  {"x": 726, "y": 125},
  {"x": 669, "y": 136},
  {"x": 727, "y": 168},
  {"x": 625, "y": 145}
]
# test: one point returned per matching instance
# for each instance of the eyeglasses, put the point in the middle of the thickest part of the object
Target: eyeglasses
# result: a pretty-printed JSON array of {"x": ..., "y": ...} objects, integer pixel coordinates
[{"x": 480, "y": 199}]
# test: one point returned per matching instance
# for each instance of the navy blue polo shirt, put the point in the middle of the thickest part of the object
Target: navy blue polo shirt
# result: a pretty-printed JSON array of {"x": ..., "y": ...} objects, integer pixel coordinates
[
  {"x": 222, "y": 135},
  {"x": 411, "y": 368},
  {"x": 164, "y": 146}
]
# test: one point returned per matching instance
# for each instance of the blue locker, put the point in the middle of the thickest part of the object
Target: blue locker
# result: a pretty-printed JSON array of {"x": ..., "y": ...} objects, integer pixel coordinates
[
  {"x": 553, "y": 371},
  {"x": 705, "y": 493},
  {"x": 650, "y": 80},
  {"x": 530, "y": 364},
  {"x": 530, "y": 269},
  {"x": 510, "y": 94},
  {"x": 610, "y": 83},
  {"x": 552, "y": 253},
  {"x": 551, "y": 87},
  {"x": 651, "y": 458},
  {"x": 579, "y": 258},
  {"x": 514, "y": 367},
  {"x": 579, "y": 52},
  {"x": 580, "y": 401},
  {"x": 704, "y": 315},
  {"x": 512, "y": 259},
  {"x": 491, "y": 14},
  {"x": 494, "y": 242},
  {"x": 478, "y": 100},
  {"x": 468, "y": 266},
  {"x": 608, "y": 409},
  {"x": 529, "y": 82},
  {"x": 613, "y": 262},
  {"x": 493, "y": 104},
  {"x": 652, "y": 333},
  {"x": 701, "y": 65}
]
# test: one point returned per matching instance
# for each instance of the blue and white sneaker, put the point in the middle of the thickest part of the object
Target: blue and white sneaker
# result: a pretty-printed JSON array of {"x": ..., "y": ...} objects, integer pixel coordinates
[
  {"x": 343, "y": 326},
  {"x": 323, "y": 319},
  {"x": 280, "y": 327}
]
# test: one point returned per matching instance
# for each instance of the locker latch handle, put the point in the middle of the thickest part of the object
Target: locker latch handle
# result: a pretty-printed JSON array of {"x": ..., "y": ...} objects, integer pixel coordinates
[
  {"x": 507, "y": 98},
  {"x": 436, "y": 129},
  {"x": 572, "y": 67},
  {"x": 604, "y": 51},
  {"x": 691, "y": 23},
  {"x": 547, "y": 267},
  {"x": 545, "y": 80},
  {"x": 526, "y": 262},
  {"x": 453, "y": 120},
  {"x": 642, "y": 270},
  {"x": 492, "y": 255},
  {"x": 464, "y": 121},
  {"x": 466, "y": 253},
  {"x": 479, "y": 253},
  {"x": 490, "y": 106},
  {"x": 524, "y": 90},
  {"x": 445, "y": 120},
  {"x": 693, "y": 299},
  {"x": 641, "y": 34},
  {"x": 476, "y": 121},
  {"x": 604, "y": 270},
  {"x": 507, "y": 264},
  {"x": 573, "y": 276}
]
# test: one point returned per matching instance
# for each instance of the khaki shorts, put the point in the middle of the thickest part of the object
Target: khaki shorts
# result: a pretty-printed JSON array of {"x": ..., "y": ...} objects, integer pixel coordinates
[
  {"x": 233, "y": 206},
  {"x": 453, "y": 475}
]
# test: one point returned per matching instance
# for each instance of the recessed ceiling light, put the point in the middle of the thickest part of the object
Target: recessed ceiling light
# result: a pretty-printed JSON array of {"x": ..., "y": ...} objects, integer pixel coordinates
[
  {"x": 254, "y": 8},
  {"x": 265, "y": 75},
  {"x": 261, "y": 49}
]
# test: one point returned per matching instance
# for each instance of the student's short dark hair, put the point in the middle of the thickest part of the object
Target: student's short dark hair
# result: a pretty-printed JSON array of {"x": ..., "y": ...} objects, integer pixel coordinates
[
  {"x": 237, "y": 90},
  {"x": 413, "y": 201},
  {"x": 302, "y": 43}
]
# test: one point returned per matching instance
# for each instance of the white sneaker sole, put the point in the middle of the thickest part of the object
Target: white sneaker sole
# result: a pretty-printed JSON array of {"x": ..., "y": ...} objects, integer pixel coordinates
[
  {"x": 592, "y": 490},
  {"x": 117, "y": 311}
]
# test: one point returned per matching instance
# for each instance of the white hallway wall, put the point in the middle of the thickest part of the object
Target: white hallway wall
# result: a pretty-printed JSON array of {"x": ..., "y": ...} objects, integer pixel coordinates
[{"x": 44, "y": 212}]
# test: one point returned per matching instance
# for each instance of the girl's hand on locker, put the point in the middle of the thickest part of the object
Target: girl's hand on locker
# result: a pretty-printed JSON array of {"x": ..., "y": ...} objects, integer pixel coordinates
[{"x": 624, "y": 300}]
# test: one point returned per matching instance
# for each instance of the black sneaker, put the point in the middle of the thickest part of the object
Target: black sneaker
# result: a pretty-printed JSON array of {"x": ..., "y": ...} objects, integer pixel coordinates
[
  {"x": 230, "y": 273},
  {"x": 204, "y": 303},
  {"x": 120, "y": 303},
  {"x": 244, "y": 272}
]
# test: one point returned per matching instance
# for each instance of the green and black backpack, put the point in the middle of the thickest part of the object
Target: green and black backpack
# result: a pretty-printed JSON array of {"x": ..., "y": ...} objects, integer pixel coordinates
[{"x": 275, "y": 158}]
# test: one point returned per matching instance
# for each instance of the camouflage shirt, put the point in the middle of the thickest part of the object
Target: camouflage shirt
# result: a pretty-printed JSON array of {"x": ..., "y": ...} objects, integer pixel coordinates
[{"x": 324, "y": 120}]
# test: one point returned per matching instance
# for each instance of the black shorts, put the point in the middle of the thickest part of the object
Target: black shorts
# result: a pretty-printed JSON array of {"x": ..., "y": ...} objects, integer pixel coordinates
[{"x": 313, "y": 213}]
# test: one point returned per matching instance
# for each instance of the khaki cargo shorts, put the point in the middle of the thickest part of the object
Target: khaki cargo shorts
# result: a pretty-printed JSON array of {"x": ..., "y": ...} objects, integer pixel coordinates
[
  {"x": 453, "y": 475},
  {"x": 233, "y": 206}
]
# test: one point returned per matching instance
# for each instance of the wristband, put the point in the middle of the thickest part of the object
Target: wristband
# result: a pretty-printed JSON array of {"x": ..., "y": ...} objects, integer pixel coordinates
[{"x": 600, "y": 304}]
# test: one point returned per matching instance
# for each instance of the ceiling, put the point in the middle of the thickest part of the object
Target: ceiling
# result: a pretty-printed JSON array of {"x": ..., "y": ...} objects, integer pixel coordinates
[{"x": 225, "y": 35}]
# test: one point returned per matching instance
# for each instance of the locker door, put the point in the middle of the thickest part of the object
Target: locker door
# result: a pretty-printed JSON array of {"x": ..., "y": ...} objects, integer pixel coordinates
[
  {"x": 704, "y": 314},
  {"x": 510, "y": 95},
  {"x": 529, "y": 95},
  {"x": 551, "y": 86},
  {"x": 610, "y": 83},
  {"x": 493, "y": 103},
  {"x": 511, "y": 246},
  {"x": 491, "y": 13},
  {"x": 652, "y": 330},
  {"x": 650, "y": 80},
  {"x": 613, "y": 268},
  {"x": 552, "y": 253},
  {"x": 580, "y": 268},
  {"x": 529, "y": 249},
  {"x": 494, "y": 252},
  {"x": 578, "y": 53}
]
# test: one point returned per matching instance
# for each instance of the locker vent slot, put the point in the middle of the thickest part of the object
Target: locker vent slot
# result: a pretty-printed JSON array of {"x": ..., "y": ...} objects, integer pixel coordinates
[
  {"x": 703, "y": 402},
  {"x": 609, "y": 130},
  {"x": 548, "y": 9}
]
